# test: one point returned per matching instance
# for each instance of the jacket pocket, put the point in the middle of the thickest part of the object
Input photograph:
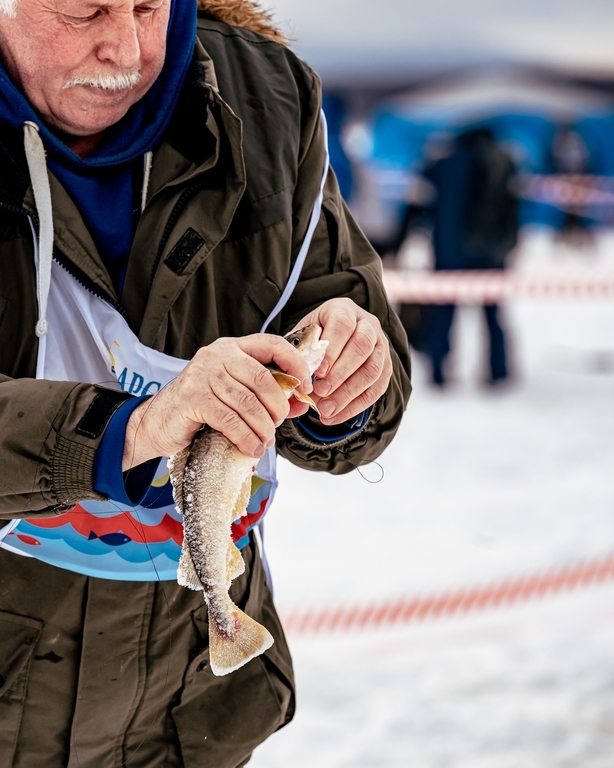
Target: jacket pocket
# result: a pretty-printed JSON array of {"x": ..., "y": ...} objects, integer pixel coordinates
[
  {"x": 221, "y": 720},
  {"x": 18, "y": 637}
]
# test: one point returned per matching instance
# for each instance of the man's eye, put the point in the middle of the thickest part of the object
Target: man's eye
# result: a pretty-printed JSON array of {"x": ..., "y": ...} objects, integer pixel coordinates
[{"x": 76, "y": 20}]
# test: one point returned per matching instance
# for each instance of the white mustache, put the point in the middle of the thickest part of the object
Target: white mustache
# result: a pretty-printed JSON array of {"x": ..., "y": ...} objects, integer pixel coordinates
[{"x": 118, "y": 82}]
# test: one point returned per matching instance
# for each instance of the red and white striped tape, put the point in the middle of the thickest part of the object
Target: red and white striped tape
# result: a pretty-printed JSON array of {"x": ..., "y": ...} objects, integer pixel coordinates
[
  {"x": 451, "y": 603},
  {"x": 492, "y": 286},
  {"x": 571, "y": 191}
]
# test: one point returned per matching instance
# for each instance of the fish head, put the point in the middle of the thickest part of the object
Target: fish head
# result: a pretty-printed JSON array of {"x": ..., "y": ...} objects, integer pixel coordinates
[{"x": 307, "y": 341}]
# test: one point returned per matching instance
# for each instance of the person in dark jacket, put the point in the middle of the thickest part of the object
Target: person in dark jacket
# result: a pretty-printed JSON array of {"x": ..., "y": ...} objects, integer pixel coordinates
[
  {"x": 474, "y": 223},
  {"x": 162, "y": 173}
]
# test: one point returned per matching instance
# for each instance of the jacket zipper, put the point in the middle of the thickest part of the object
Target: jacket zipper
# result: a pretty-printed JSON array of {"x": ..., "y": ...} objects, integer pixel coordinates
[
  {"x": 180, "y": 204},
  {"x": 66, "y": 264},
  {"x": 170, "y": 224},
  {"x": 86, "y": 282}
]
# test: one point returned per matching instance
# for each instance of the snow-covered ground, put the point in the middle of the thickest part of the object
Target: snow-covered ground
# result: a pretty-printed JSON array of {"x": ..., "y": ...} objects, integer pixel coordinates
[{"x": 477, "y": 485}]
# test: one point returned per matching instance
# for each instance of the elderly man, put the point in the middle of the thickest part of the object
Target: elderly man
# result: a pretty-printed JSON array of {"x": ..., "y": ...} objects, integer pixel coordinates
[{"x": 164, "y": 200}]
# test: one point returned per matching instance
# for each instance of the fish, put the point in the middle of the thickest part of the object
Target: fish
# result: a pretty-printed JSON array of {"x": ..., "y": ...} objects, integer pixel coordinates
[
  {"x": 26, "y": 539},
  {"x": 212, "y": 483},
  {"x": 115, "y": 539}
]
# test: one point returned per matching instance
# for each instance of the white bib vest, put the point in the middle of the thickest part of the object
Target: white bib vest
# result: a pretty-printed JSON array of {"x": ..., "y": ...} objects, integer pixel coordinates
[{"x": 85, "y": 339}]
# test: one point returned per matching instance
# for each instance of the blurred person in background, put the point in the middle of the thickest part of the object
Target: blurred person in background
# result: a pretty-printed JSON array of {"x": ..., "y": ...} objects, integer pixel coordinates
[
  {"x": 570, "y": 156},
  {"x": 473, "y": 213}
]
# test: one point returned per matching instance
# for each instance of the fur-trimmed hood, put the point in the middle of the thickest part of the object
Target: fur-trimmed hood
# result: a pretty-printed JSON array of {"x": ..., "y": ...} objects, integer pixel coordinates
[{"x": 243, "y": 13}]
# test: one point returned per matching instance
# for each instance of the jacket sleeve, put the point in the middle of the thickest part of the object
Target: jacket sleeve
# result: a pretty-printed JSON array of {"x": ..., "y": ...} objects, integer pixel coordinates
[
  {"x": 340, "y": 263},
  {"x": 49, "y": 433}
]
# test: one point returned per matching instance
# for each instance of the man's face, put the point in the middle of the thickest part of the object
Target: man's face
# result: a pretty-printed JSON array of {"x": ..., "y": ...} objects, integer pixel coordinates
[{"x": 83, "y": 63}]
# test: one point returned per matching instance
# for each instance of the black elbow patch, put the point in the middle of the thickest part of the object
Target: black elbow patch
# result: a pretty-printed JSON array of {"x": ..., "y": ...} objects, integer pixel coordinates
[{"x": 97, "y": 416}]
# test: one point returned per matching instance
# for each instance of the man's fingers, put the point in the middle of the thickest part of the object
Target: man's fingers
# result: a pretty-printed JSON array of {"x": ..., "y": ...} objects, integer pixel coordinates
[
  {"x": 297, "y": 408},
  {"x": 373, "y": 376},
  {"x": 258, "y": 382},
  {"x": 242, "y": 417},
  {"x": 338, "y": 327},
  {"x": 364, "y": 401},
  {"x": 266, "y": 348},
  {"x": 232, "y": 426},
  {"x": 357, "y": 350}
]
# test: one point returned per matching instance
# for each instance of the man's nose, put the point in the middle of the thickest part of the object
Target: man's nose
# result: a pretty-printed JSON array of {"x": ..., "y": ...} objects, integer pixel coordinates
[{"x": 120, "y": 45}]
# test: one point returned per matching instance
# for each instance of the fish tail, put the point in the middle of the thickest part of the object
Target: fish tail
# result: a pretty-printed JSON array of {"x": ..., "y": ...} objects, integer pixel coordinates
[{"x": 229, "y": 652}]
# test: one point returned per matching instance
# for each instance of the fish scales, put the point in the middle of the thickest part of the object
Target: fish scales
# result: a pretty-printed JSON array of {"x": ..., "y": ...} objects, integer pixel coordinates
[{"x": 211, "y": 485}]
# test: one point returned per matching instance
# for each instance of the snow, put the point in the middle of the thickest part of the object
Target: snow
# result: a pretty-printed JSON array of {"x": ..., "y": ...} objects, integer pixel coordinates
[{"x": 478, "y": 485}]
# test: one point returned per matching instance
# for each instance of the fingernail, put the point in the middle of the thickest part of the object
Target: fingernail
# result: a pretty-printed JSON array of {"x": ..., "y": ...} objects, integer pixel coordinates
[
  {"x": 279, "y": 423},
  {"x": 270, "y": 443},
  {"x": 322, "y": 387},
  {"x": 259, "y": 452},
  {"x": 323, "y": 369},
  {"x": 327, "y": 408},
  {"x": 307, "y": 386}
]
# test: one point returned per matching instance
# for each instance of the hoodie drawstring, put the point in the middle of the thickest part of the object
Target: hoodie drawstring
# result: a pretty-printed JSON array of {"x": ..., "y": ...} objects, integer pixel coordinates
[
  {"x": 37, "y": 165},
  {"x": 147, "y": 163}
]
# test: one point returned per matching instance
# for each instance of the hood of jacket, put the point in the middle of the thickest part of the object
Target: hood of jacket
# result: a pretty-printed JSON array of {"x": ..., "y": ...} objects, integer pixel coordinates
[{"x": 243, "y": 13}]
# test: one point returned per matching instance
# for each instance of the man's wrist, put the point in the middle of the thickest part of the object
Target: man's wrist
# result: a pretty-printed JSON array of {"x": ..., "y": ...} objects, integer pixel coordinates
[
  {"x": 109, "y": 476},
  {"x": 136, "y": 446}
]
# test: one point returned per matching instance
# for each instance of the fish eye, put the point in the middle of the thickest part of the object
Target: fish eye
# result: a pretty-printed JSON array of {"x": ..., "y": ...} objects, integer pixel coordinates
[{"x": 295, "y": 341}]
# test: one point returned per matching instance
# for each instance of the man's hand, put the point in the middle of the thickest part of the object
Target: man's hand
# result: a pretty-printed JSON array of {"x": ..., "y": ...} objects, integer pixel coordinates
[
  {"x": 226, "y": 386},
  {"x": 357, "y": 367}
]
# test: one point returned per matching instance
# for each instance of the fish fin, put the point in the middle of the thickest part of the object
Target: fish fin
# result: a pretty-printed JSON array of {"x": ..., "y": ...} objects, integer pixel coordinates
[
  {"x": 186, "y": 573},
  {"x": 240, "y": 507},
  {"x": 229, "y": 653},
  {"x": 92, "y": 536},
  {"x": 306, "y": 399},
  {"x": 176, "y": 469},
  {"x": 235, "y": 565},
  {"x": 285, "y": 381}
]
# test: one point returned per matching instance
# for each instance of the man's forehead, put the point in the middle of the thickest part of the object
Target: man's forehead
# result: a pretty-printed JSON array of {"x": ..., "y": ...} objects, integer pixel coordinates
[{"x": 88, "y": 5}]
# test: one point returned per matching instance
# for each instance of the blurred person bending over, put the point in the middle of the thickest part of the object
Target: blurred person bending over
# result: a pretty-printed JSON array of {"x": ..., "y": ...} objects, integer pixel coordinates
[
  {"x": 159, "y": 171},
  {"x": 474, "y": 221}
]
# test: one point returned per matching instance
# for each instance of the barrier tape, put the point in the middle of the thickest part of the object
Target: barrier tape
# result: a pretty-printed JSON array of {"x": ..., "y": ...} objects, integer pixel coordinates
[
  {"x": 453, "y": 603},
  {"x": 492, "y": 286},
  {"x": 569, "y": 190}
]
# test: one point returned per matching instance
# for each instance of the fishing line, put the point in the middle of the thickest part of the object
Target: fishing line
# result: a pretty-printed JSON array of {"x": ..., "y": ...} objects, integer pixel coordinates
[
  {"x": 165, "y": 596},
  {"x": 366, "y": 479},
  {"x": 130, "y": 520}
]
